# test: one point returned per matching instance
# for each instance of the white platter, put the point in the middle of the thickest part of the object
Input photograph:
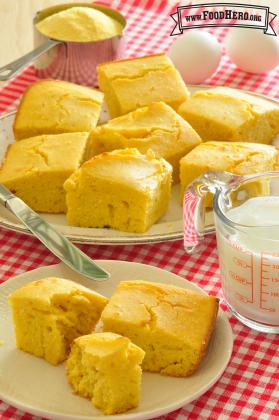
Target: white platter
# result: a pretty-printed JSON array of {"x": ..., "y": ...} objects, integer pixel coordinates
[{"x": 33, "y": 385}]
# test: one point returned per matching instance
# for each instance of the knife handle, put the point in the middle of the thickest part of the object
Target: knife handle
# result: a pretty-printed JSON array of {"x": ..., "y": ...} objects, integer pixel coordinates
[{"x": 5, "y": 195}]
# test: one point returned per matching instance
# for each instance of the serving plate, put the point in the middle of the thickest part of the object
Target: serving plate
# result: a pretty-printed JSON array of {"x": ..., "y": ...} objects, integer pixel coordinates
[
  {"x": 33, "y": 385},
  {"x": 169, "y": 227}
]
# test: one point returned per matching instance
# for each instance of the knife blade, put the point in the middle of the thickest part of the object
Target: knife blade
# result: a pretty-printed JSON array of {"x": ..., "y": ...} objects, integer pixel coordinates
[{"x": 57, "y": 243}]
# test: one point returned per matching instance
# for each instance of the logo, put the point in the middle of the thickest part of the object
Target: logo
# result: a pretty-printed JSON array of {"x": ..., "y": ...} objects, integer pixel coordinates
[{"x": 223, "y": 15}]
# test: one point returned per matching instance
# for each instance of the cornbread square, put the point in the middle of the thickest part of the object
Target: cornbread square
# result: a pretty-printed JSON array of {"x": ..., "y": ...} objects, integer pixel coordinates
[
  {"x": 171, "y": 324},
  {"x": 133, "y": 83},
  {"x": 230, "y": 115},
  {"x": 105, "y": 367},
  {"x": 123, "y": 189},
  {"x": 237, "y": 158},
  {"x": 55, "y": 107},
  {"x": 157, "y": 127},
  {"x": 35, "y": 169},
  {"x": 50, "y": 313}
]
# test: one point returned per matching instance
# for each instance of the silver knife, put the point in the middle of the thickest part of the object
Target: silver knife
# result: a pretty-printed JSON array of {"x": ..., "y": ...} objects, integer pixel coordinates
[{"x": 51, "y": 238}]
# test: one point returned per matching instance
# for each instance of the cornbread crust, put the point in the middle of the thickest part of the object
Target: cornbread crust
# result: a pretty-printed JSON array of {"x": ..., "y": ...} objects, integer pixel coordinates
[
  {"x": 55, "y": 107},
  {"x": 227, "y": 114},
  {"x": 123, "y": 189},
  {"x": 35, "y": 169},
  {"x": 50, "y": 313},
  {"x": 172, "y": 325},
  {"x": 132, "y": 83},
  {"x": 157, "y": 127},
  {"x": 105, "y": 368}
]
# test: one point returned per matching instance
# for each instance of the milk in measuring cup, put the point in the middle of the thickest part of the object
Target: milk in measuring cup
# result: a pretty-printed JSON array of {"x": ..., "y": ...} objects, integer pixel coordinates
[{"x": 249, "y": 259}]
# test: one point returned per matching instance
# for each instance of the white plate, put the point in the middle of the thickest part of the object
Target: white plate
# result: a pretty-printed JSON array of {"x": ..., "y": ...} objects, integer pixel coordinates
[{"x": 33, "y": 385}]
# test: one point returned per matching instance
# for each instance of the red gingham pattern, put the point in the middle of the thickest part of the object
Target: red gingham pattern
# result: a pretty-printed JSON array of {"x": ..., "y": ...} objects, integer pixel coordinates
[{"x": 248, "y": 388}]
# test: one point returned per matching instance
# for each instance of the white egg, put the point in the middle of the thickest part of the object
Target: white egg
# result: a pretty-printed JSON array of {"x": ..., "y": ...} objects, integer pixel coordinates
[
  {"x": 196, "y": 55},
  {"x": 252, "y": 51}
]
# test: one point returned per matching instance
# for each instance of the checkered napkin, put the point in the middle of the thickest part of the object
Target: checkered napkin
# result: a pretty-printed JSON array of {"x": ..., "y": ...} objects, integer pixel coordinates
[{"x": 248, "y": 388}]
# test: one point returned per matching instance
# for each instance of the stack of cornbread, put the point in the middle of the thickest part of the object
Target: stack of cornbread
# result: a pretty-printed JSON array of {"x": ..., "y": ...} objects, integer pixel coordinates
[
  {"x": 119, "y": 174},
  {"x": 147, "y": 326}
]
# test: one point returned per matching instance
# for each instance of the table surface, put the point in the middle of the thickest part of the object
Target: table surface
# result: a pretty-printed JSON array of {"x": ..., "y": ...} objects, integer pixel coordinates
[{"x": 249, "y": 385}]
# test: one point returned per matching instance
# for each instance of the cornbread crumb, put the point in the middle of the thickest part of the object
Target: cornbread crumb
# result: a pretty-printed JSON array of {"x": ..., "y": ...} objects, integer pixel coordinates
[
  {"x": 132, "y": 83},
  {"x": 55, "y": 107},
  {"x": 171, "y": 324},
  {"x": 123, "y": 189},
  {"x": 50, "y": 313},
  {"x": 105, "y": 368}
]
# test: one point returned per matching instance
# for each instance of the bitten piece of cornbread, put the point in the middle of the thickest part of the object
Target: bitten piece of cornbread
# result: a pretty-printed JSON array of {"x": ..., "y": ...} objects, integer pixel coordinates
[
  {"x": 105, "y": 367},
  {"x": 35, "y": 169},
  {"x": 123, "y": 189},
  {"x": 237, "y": 158},
  {"x": 54, "y": 107},
  {"x": 231, "y": 115},
  {"x": 50, "y": 313},
  {"x": 171, "y": 324},
  {"x": 133, "y": 83},
  {"x": 157, "y": 127}
]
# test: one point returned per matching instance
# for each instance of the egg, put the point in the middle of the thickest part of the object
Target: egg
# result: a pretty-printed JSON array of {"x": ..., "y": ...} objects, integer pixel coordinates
[
  {"x": 196, "y": 55},
  {"x": 251, "y": 50}
]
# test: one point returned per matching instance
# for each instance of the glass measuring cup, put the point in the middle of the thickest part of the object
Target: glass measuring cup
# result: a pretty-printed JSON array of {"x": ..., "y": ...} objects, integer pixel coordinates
[{"x": 246, "y": 221}]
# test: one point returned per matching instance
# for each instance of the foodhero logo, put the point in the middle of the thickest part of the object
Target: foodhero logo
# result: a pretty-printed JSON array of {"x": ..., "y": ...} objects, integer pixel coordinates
[{"x": 223, "y": 14}]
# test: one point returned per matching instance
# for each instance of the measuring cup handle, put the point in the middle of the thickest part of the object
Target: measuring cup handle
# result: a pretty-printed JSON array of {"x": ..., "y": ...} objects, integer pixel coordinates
[{"x": 10, "y": 70}]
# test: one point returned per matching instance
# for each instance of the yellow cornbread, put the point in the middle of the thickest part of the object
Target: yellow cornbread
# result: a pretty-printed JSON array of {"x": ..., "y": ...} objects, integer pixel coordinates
[
  {"x": 157, "y": 127},
  {"x": 172, "y": 325},
  {"x": 35, "y": 169},
  {"x": 133, "y": 83},
  {"x": 55, "y": 106},
  {"x": 105, "y": 367},
  {"x": 50, "y": 313},
  {"x": 79, "y": 24},
  {"x": 237, "y": 158},
  {"x": 230, "y": 115},
  {"x": 123, "y": 189}
]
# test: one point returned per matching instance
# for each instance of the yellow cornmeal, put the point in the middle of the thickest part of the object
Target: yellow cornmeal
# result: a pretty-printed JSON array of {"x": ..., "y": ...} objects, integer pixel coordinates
[
  {"x": 50, "y": 313},
  {"x": 123, "y": 189},
  {"x": 133, "y": 83},
  {"x": 35, "y": 169},
  {"x": 172, "y": 325},
  {"x": 157, "y": 127},
  {"x": 80, "y": 24},
  {"x": 54, "y": 107},
  {"x": 230, "y": 115},
  {"x": 237, "y": 158},
  {"x": 105, "y": 368}
]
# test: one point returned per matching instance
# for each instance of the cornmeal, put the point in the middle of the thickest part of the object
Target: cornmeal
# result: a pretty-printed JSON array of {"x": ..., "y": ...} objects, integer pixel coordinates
[
  {"x": 80, "y": 24},
  {"x": 157, "y": 127},
  {"x": 237, "y": 158},
  {"x": 230, "y": 115},
  {"x": 50, "y": 313},
  {"x": 54, "y": 107},
  {"x": 133, "y": 83},
  {"x": 105, "y": 367},
  {"x": 123, "y": 189},
  {"x": 35, "y": 169},
  {"x": 172, "y": 325}
]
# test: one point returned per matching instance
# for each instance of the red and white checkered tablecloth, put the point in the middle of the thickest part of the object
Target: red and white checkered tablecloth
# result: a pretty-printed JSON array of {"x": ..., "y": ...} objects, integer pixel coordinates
[{"x": 249, "y": 387}]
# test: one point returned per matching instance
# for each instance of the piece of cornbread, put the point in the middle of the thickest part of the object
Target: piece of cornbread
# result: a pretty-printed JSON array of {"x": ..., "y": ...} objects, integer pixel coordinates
[
  {"x": 228, "y": 114},
  {"x": 171, "y": 324},
  {"x": 157, "y": 127},
  {"x": 35, "y": 169},
  {"x": 50, "y": 313},
  {"x": 123, "y": 189},
  {"x": 237, "y": 158},
  {"x": 133, "y": 83},
  {"x": 79, "y": 24},
  {"x": 54, "y": 107},
  {"x": 105, "y": 367}
]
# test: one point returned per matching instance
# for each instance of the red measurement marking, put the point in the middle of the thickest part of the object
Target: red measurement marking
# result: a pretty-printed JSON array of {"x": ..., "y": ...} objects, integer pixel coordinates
[{"x": 268, "y": 279}]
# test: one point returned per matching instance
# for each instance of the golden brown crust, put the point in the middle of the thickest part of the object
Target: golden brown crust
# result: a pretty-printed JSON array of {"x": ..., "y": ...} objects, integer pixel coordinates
[{"x": 132, "y": 59}]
